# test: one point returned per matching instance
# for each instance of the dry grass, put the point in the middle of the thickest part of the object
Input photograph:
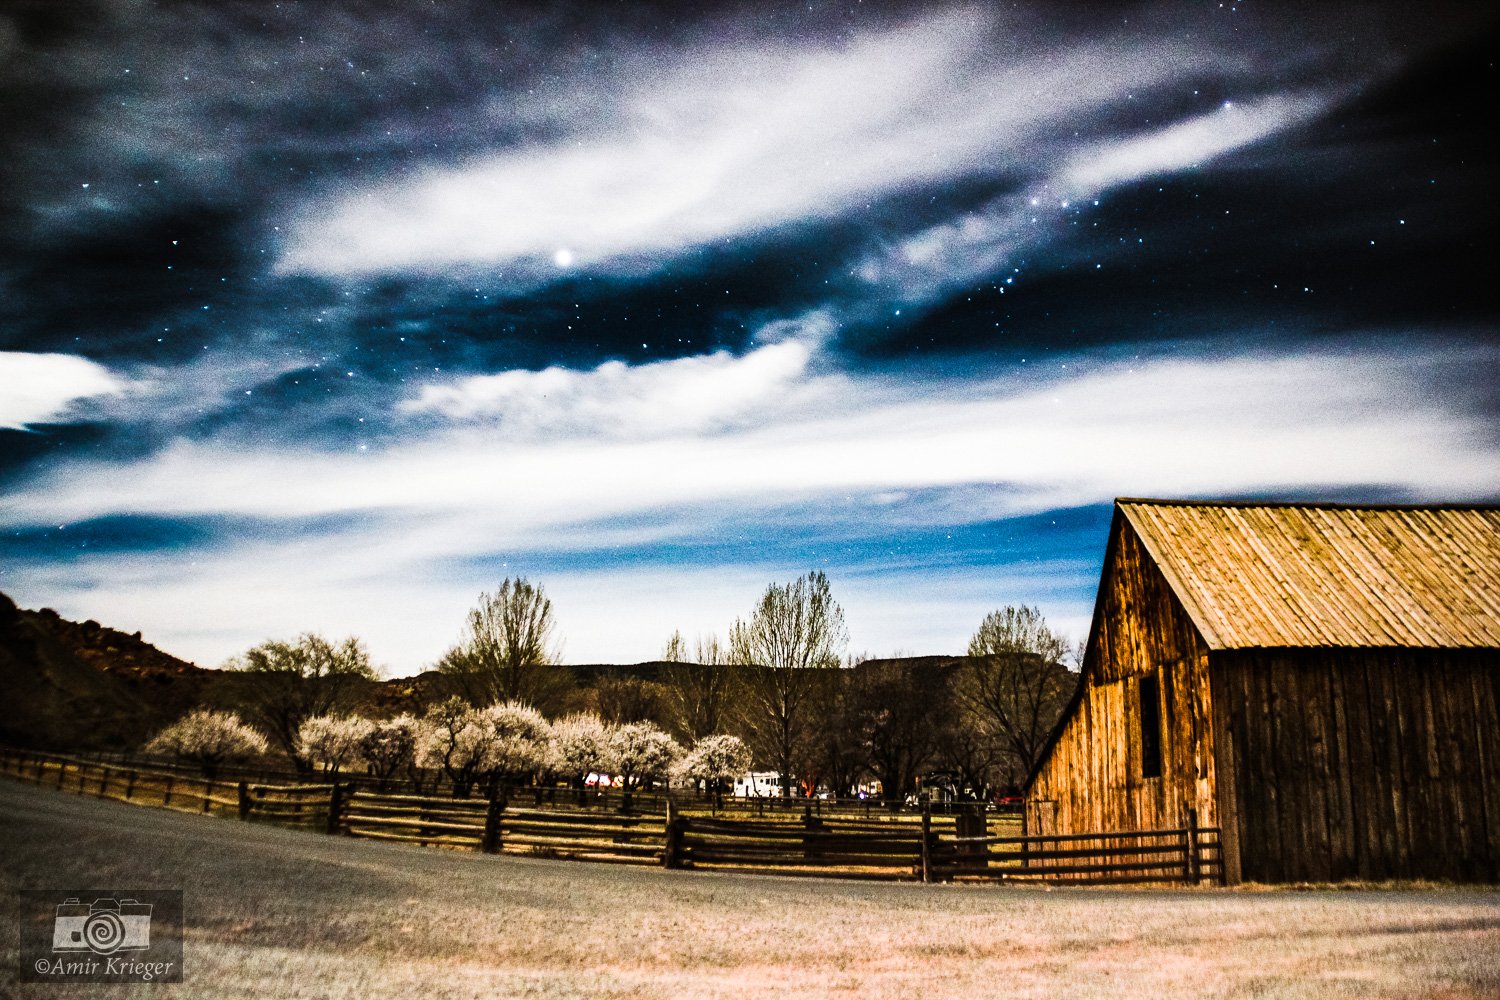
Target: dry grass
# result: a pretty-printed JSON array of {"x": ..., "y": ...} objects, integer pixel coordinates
[{"x": 280, "y": 913}]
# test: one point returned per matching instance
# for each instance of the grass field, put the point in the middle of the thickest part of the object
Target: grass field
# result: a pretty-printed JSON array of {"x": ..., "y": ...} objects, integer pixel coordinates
[{"x": 278, "y": 913}]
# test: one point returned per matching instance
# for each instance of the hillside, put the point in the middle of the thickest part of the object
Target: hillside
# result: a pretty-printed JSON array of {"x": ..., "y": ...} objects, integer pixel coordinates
[
  {"x": 85, "y": 686},
  {"x": 80, "y": 685}
]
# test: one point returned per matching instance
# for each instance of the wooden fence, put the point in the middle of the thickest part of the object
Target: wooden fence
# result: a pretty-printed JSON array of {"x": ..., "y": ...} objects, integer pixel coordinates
[
  {"x": 811, "y": 845},
  {"x": 185, "y": 793},
  {"x": 434, "y": 785},
  {"x": 885, "y": 846},
  {"x": 413, "y": 819},
  {"x": 1188, "y": 855},
  {"x": 287, "y": 805}
]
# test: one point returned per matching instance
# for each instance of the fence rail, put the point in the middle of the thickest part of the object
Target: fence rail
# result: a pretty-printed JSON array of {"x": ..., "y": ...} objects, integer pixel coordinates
[
  {"x": 811, "y": 845},
  {"x": 883, "y": 846},
  {"x": 434, "y": 784},
  {"x": 1189, "y": 855},
  {"x": 182, "y": 792}
]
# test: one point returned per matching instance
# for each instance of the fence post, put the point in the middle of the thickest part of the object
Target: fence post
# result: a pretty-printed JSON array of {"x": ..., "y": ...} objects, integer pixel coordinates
[
  {"x": 492, "y": 814},
  {"x": 129, "y": 785},
  {"x": 1193, "y": 872},
  {"x": 676, "y": 830},
  {"x": 335, "y": 808},
  {"x": 973, "y": 822},
  {"x": 927, "y": 872},
  {"x": 810, "y": 826},
  {"x": 244, "y": 795},
  {"x": 166, "y": 795},
  {"x": 1025, "y": 835},
  {"x": 208, "y": 791}
]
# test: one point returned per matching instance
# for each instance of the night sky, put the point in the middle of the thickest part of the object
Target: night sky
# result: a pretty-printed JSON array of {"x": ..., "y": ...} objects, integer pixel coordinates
[{"x": 327, "y": 316}]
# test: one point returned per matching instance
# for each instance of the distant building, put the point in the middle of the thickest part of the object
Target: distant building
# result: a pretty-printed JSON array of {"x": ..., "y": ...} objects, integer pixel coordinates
[
  {"x": 758, "y": 784},
  {"x": 1320, "y": 681}
]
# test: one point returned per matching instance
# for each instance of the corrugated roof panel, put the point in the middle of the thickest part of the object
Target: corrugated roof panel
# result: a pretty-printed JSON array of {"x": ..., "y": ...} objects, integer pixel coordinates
[{"x": 1290, "y": 575}]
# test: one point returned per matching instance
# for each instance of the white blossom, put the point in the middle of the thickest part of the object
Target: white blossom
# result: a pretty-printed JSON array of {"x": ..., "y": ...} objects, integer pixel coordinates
[
  {"x": 389, "y": 745},
  {"x": 332, "y": 741},
  {"x": 715, "y": 759},
  {"x": 579, "y": 746},
  {"x": 454, "y": 738},
  {"x": 519, "y": 738},
  {"x": 208, "y": 739},
  {"x": 640, "y": 751}
]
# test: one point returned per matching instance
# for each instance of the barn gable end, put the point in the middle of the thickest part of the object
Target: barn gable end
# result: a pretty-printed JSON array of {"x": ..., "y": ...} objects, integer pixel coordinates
[{"x": 1094, "y": 777}]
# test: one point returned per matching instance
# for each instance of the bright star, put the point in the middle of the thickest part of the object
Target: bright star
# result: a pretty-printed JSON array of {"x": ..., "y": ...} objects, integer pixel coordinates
[{"x": 563, "y": 258}]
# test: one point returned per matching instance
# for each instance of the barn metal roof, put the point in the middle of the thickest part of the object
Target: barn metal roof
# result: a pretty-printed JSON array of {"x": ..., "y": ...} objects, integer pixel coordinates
[{"x": 1290, "y": 575}]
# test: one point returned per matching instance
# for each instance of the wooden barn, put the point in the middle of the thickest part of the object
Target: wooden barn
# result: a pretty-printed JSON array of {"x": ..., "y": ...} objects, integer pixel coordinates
[{"x": 1319, "y": 681}]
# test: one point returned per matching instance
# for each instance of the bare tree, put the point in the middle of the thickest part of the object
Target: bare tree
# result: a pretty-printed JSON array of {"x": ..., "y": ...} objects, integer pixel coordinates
[
  {"x": 619, "y": 699},
  {"x": 507, "y": 650},
  {"x": 676, "y": 648},
  {"x": 897, "y": 712},
  {"x": 795, "y": 636},
  {"x": 967, "y": 748},
  {"x": 834, "y": 757},
  {"x": 698, "y": 693},
  {"x": 288, "y": 683},
  {"x": 1016, "y": 686}
]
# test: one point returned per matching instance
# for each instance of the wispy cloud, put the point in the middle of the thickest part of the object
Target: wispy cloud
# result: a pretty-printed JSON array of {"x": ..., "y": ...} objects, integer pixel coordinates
[
  {"x": 693, "y": 395},
  {"x": 1069, "y": 432},
  {"x": 928, "y": 264},
  {"x": 44, "y": 388},
  {"x": 389, "y": 543},
  {"x": 1192, "y": 142},
  {"x": 717, "y": 142}
]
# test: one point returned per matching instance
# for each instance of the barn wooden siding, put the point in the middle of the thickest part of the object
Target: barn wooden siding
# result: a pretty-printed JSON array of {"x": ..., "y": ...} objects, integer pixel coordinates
[
  {"x": 1363, "y": 764},
  {"x": 1330, "y": 689},
  {"x": 1092, "y": 780}
]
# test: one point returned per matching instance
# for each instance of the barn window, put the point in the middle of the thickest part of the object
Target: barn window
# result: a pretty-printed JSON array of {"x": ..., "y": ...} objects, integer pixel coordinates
[{"x": 1150, "y": 717}]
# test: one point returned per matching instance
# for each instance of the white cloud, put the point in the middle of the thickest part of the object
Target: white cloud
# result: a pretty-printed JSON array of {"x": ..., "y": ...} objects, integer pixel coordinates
[
  {"x": 930, "y": 263},
  {"x": 401, "y": 540},
  {"x": 1072, "y": 432},
  {"x": 44, "y": 388},
  {"x": 610, "y": 615},
  {"x": 707, "y": 143},
  {"x": 1189, "y": 143},
  {"x": 682, "y": 396}
]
